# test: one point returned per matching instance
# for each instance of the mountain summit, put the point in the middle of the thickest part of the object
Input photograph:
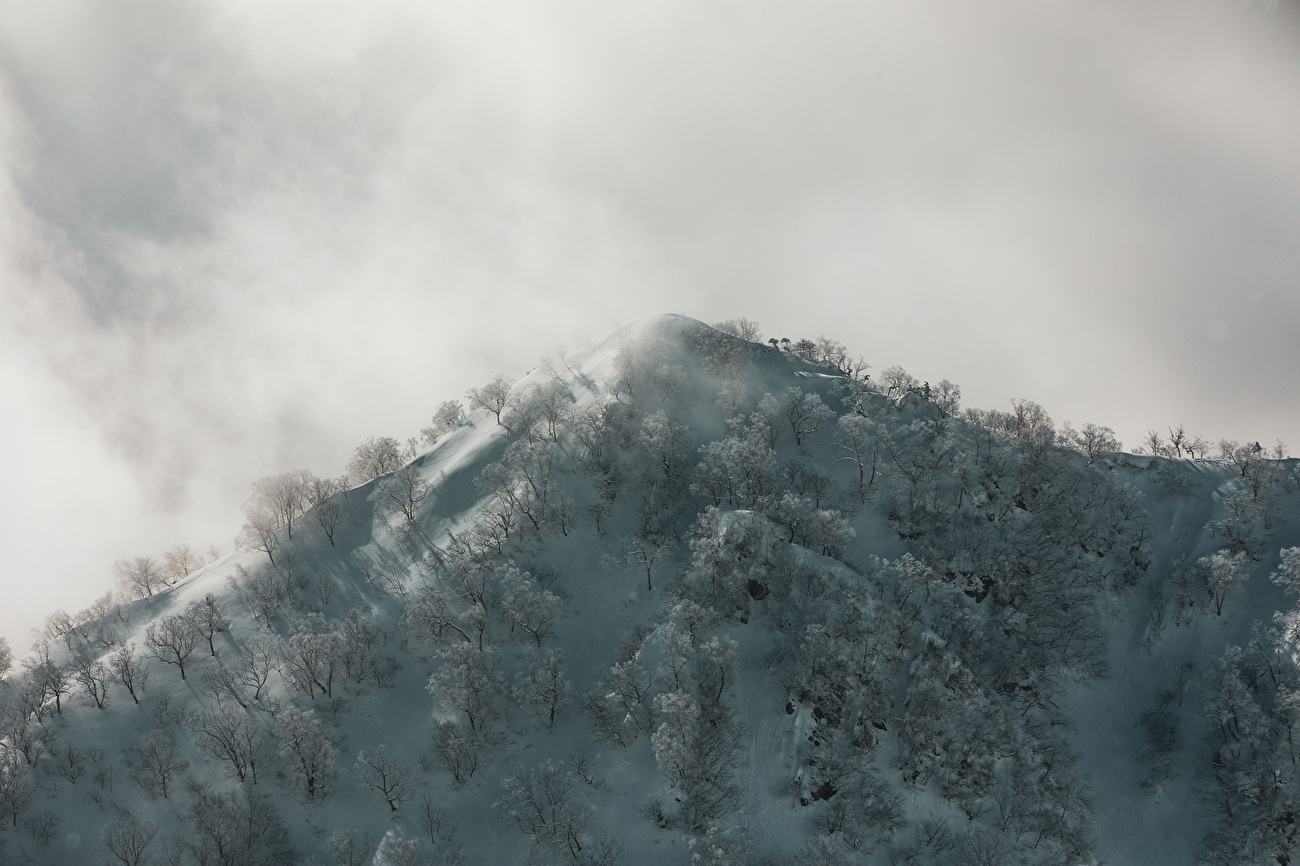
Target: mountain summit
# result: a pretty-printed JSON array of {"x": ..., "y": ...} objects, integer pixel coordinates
[{"x": 685, "y": 597}]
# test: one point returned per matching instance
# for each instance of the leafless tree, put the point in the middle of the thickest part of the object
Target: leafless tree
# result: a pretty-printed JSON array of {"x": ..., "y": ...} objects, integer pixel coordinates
[
  {"x": 140, "y": 575},
  {"x": 448, "y": 416},
  {"x": 155, "y": 761},
  {"x": 493, "y": 396},
  {"x": 538, "y": 803},
  {"x": 745, "y": 329},
  {"x": 172, "y": 640},
  {"x": 180, "y": 562},
  {"x": 93, "y": 675},
  {"x": 232, "y": 736},
  {"x": 259, "y": 656},
  {"x": 322, "y": 500},
  {"x": 260, "y": 532},
  {"x": 302, "y": 739},
  {"x": 897, "y": 381},
  {"x": 641, "y": 552},
  {"x": 127, "y": 839},
  {"x": 1091, "y": 439},
  {"x": 1177, "y": 440},
  {"x": 391, "y": 781},
  {"x": 377, "y": 456},
  {"x": 224, "y": 684},
  {"x": 545, "y": 684},
  {"x": 403, "y": 492},
  {"x": 350, "y": 848},
  {"x": 129, "y": 670},
  {"x": 207, "y": 618}
]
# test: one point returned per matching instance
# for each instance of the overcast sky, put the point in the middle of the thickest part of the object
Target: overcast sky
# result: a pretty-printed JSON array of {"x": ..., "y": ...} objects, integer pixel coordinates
[{"x": 238, "y": 238}]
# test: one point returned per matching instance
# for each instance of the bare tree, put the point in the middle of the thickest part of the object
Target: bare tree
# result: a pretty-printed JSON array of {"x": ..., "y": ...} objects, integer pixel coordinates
[
  {"x": 93, "y": 675},
  {"x": 1177, "y": 440},
  {"x": 859, "y": 444},
  {"x": 207, "y": 617},
  {"x": 404, "y": 492},
  {"x": 897, "y": 381},
  {"x": 391, "y": 781},
  {"x": 129, "y": 670},
  {"x": 545, "y": 685},
  {"x": 745, "y": 329},
  {"x": 140, "y": 575},
  {"x": 49, "y": 678},
  {"x": 350, "y": 848},
  {"x": 1222, "y": 572},
  {"x": 260, "y": 655},
  {"x": 172, "y": 640},
  {"x": 307, "y": 744},
  {"x": 377, "y": 456},
  {"x": 155, "y": 761},
  {"x": 16, "y": 790},
  {"x": 493, "y": 396},
  {"x": 448, "y": 416},
  {"x": 260, "y": 532},
  {"x": 642, "y": 551},
  {"x": 6, "y": 657},
  {"x": 127, "y": 839},
  {"x": 232, "y": 736},
  {"x": 1091, "y": 439},
  {"x": 322, "y": 500},
  {"x": 538, "y": 803},
  {"x": 277, "y": 500},
  {"x": 180, "y": 562},
  {"x": 468, "y": 684}
]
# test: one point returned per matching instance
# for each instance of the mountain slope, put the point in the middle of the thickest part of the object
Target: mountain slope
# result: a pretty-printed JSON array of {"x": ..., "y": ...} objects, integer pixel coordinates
[{"x": 797, "y": 617}]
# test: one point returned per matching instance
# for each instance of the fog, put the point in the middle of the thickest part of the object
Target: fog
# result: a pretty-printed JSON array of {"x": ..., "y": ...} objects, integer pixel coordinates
[{"x": 240, "y": 239}]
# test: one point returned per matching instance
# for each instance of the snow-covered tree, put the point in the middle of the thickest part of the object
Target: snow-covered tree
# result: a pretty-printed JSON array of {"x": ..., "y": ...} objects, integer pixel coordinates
[
  {"x": 468, "y": 686},
  {"x": 1222, "y": 572},
  {"x": 309, "y": 748},
  {"x": 540, "y": 803},
  {"x": 745, "y": 329},
  {"x": 377, "y": 456},
  {"x": 1091, "y": 439},
  {"x": 448, "y": 416},
  {"x": 493, "y": 396},
  {"x": 179, "y": 562},
  {"x": 139, "y": 575},
  {"x": 545, "y": 684}
]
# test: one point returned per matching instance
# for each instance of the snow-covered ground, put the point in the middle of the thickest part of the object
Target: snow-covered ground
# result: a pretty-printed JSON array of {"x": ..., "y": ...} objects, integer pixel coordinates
[{"x": 655, "y": 364}]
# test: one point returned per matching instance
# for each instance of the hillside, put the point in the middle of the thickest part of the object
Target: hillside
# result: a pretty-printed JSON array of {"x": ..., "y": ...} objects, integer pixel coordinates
[{"x": 693, "y": 599}]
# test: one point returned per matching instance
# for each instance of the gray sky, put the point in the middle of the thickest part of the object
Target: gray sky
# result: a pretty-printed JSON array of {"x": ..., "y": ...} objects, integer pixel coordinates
[{"x": 239, "y": 238}]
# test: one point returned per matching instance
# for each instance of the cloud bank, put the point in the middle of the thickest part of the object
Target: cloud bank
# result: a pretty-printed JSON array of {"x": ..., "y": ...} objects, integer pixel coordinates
[{"x": 239, "y": 239}]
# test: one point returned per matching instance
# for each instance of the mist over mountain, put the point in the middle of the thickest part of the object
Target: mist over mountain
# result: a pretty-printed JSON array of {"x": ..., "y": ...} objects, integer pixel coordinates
[{"x": 680, "y": 596}]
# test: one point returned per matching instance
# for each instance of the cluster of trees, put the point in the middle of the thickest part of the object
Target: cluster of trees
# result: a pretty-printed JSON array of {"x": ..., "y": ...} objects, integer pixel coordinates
[
  {"x": 142, "y": 576},
  {"x": 1251, "y": 712}
]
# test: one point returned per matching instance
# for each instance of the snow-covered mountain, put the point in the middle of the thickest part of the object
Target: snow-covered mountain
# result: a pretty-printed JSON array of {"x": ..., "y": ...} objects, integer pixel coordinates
[{"x": 680, "y": 597}]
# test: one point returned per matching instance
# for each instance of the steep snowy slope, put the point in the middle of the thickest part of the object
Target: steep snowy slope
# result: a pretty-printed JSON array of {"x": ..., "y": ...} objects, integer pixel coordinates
[{"x": 690, "y": 596}]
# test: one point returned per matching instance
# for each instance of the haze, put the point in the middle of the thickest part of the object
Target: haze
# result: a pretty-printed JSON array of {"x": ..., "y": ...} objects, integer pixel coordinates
[{"x": 239, "y": 240}]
